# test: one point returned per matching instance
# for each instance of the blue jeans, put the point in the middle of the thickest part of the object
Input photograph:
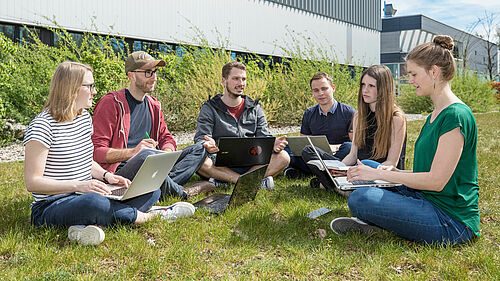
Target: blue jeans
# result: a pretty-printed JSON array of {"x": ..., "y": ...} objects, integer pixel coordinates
[
  {"x": 299, "y": 163},
  {"x": 90, "y": 208},
  {"x": 189, "y": 162},
  {"x": 406, "y": 213}
]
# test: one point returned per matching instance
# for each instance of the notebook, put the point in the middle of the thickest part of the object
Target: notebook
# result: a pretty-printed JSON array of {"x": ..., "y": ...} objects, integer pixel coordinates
[
  {"x": 240, "y": 152},
  {"x": 298, "y": 143},
  {"x": 341, "y": 182},
  {"x": 245, "y": 190},
  {"x": 149, "y": 178}
]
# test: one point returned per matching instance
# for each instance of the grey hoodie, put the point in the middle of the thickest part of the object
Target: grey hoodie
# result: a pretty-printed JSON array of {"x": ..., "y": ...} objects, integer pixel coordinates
[{"x": 215, "y": 120}]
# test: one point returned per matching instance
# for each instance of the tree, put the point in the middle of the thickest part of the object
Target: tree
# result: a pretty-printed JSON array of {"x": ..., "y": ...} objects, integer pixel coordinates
[{"x": 489, "y": 24}]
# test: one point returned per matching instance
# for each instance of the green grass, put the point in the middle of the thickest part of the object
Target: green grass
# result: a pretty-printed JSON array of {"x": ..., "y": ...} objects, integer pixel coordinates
[{"x": 270, "y": 238}]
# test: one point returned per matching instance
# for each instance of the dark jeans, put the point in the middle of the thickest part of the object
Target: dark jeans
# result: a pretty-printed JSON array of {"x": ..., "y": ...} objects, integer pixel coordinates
[
  {"x": 189, "y": 162},
  {"x": 406, "y": 213},
  {"x": 90, "y": 208},
  {"x": 298, "y": 162}
]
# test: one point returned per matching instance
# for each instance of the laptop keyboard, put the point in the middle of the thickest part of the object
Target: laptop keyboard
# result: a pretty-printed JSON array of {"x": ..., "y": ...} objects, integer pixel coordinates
[
  {"x": 119, "y": 191},
  {"x": 361, "y": 182}
]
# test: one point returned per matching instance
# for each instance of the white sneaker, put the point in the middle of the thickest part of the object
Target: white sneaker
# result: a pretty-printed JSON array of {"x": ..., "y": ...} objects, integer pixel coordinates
[
  {"x": 267, "y": 183},
  {"x": 343, "y": 224},
  {"x": 175, "y": 211},
  {"x": 86, "y": 235}
]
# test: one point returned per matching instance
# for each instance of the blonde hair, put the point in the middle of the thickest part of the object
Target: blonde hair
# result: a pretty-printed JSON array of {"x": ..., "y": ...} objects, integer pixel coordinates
[
  {"x": 385, "y": 109},
  {"x": 64, "y": 86},
  {"x": 437, "y": 53}
]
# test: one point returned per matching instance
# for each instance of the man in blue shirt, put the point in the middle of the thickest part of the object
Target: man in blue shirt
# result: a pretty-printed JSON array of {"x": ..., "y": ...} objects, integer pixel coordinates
[{"x": 329, "y": 117}]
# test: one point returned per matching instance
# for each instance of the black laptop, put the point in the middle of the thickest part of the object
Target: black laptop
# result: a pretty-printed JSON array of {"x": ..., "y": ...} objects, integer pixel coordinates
[
  {"x": 239, "y": 152},
  {"x": 244, "y": 191}
]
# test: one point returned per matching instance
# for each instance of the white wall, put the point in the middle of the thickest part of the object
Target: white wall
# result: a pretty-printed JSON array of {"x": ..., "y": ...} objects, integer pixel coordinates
[{"x": 248, "y": 25}]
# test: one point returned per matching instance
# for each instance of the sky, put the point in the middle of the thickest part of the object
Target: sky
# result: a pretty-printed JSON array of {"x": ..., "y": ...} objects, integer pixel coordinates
[{"x": 456, "y": 13}]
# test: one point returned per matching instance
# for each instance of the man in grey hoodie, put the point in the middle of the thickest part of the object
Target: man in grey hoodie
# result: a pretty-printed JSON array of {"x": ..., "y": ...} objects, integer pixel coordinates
[{"x": 233, "y": 114}]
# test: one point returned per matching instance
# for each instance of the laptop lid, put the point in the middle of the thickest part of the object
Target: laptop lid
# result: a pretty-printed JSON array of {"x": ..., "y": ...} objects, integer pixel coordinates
[
  {"x": 154, "y": 170},
  {"x": 245, "y": 190},
  {"x": 239, "y": 152},
  {"x": 298, "y": 143},
  {"x": 247, "y": 186}
]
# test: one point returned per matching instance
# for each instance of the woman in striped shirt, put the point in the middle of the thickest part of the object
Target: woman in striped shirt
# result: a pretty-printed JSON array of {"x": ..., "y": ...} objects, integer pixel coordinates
[{"x": 67, "y": 185}]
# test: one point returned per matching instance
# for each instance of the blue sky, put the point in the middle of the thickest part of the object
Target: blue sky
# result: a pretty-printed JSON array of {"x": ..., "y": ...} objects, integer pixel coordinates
[{"x": 457, "y": 13}]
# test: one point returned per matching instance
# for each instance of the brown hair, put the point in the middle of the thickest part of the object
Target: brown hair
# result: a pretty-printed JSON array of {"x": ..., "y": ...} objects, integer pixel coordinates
[
  {"x": 437, "y": 53},
  {"x": 226, "y": 69},
  {"x": 321, "y": 75},
  {"x": 385, "y": 109},
  {"x": 66, "y": 81}
]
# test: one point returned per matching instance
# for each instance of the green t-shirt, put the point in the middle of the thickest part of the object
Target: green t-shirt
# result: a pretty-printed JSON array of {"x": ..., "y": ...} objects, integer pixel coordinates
[{"x": 459, "y": 198}]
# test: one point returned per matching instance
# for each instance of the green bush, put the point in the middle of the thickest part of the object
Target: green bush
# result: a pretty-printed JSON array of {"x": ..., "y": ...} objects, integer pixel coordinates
[{"x": 472, "y": 90}]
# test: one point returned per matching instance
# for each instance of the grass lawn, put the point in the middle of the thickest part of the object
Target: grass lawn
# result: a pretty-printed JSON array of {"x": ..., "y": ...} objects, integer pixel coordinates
[{"x": 268, "y": 239}]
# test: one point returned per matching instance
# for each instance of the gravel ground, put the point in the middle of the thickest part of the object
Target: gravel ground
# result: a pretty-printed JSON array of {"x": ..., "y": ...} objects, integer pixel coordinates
[{"x": 15, "y": 152}]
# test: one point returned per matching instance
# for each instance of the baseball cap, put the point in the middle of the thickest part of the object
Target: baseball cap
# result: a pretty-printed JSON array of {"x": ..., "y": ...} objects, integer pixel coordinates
[{"x": 140, "y": 59}]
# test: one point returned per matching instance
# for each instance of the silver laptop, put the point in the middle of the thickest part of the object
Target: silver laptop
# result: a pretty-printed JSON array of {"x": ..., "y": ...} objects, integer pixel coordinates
[
  {"x": 298, "y": 143},
  {"x": 149, "y": 178},
  {"x": 341, "y": 182}
]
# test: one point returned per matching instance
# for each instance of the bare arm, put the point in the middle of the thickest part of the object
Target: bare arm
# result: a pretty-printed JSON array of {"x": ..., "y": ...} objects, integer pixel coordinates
[
  {"x": 34, "y": 165},
  {"x": 397, "y": 139},
  {"x": 114, "y": 155},
  {"x": 449, "y": 149}
]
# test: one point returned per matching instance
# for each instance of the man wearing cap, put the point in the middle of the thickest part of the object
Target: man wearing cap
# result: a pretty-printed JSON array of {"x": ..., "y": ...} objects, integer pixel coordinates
[{"x": 129, "y": 120}]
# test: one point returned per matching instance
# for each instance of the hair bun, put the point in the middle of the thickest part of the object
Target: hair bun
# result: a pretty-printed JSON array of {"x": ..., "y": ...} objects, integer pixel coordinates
[{"x": 444, "y": 41}]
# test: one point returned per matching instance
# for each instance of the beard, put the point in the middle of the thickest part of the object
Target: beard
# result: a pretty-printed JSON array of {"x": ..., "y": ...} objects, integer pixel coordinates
[
  {"x": 144, "y": 87},
  {"x": 232, "y": 93}
]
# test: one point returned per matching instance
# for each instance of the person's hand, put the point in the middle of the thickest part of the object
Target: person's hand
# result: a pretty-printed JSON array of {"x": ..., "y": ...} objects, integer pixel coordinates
[
  {"x": 117, "y": 180},
  {"x": 362, "y": 172},
  {"x": 279, "y": 144},
  {"x": 93, "y": 186},
  {"x": 210, "y": 145},
  {"x": 145, "y": 143}
]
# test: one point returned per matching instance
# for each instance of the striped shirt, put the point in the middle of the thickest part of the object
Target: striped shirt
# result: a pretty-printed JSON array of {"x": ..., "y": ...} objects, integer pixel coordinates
[{"x": 69, "y": 144}]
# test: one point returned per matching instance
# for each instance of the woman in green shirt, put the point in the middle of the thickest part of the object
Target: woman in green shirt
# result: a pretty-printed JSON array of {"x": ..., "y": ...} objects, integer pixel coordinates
[{"x": 438, "y": 202}]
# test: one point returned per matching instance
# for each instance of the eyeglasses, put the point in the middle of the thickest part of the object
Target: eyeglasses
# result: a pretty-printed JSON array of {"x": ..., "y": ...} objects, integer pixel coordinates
[
  {"x": 147, "y": 73},
  {"x": 91, "y": 87}
]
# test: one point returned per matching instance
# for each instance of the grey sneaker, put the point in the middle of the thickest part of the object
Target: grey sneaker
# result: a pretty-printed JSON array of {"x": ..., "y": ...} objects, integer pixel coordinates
[
  {"x": 343, "y": 224},
  {"x": 86, "y": 235},
  {"x": 175, "y": 211},
  {"x": 218, "y": 183},
  {"x": 267, "y": 183}
]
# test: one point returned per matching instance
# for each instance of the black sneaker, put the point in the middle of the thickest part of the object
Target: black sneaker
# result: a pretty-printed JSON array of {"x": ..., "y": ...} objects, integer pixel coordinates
[
  {"x": 315, "y": 183},
  {"x": 343, "y": 224},
  {"x": 291, "y": 173}
]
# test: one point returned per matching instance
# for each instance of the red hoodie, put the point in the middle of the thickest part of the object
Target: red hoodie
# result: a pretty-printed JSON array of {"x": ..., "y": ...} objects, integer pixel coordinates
[{"x": 111, "y": 122}]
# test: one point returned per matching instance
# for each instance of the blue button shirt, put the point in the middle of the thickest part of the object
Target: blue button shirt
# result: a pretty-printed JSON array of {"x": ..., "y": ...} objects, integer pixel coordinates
[{"x": 335, "y": 124}]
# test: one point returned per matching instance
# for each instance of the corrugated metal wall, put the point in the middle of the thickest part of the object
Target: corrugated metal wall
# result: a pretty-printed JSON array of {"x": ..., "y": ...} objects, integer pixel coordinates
[
  {"x": 364, "y": 13},
  {"x": 258, "y": 26}
]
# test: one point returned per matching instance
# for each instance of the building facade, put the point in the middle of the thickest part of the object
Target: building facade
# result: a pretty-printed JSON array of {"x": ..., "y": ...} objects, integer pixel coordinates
[
  {"x": 347, "y": 31},
  {"x": 401, "y": 34}
]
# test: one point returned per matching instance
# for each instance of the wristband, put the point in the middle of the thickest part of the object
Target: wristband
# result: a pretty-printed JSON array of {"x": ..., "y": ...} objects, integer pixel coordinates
[{"x": 104, "y": 177}]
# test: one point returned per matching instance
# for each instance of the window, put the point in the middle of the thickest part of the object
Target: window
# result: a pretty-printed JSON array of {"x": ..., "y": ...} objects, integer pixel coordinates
[{"x": 8, "y": 31}]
